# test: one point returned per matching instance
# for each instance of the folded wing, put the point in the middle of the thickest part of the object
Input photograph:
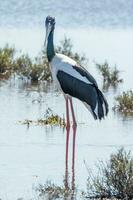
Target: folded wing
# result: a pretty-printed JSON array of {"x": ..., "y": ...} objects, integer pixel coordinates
[{"x": 88, "y": 93}]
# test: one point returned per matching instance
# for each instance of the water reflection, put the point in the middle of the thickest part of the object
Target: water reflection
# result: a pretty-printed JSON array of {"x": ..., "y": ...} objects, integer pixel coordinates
[
  {"x": 42, "y": 150},
  {"x": 73, "y": 160}
]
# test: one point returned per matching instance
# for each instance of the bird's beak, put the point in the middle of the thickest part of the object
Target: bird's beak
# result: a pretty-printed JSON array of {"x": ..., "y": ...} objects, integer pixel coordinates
[{"x": 46, "y": 36}]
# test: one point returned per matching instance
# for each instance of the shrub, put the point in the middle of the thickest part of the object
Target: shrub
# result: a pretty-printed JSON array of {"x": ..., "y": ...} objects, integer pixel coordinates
[
  {"x": 6, "y": 61},
  {"x": 110, "y": 75},
  {"x": 51, "y": 191},
  {"x": 66, "y": 48},
  {"x": 114, "y": 179},
  {"x": 34, "y": 69},
  {"x": 125, "y": 103}
]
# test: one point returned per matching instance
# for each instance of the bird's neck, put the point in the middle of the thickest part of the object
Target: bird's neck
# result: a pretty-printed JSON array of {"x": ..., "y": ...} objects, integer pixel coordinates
[{"x": 50, "y": 47}]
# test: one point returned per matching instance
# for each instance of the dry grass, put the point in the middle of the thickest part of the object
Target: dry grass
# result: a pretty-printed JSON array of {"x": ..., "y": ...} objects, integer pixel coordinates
[
  {"x": 49, "y": 119},
  {"x": 51, "y": 191},
  {"x": 114, "y": 179}
]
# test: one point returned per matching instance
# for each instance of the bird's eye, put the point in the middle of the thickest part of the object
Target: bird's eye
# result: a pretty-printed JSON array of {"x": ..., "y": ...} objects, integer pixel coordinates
[{"x": 50, "y": 21}]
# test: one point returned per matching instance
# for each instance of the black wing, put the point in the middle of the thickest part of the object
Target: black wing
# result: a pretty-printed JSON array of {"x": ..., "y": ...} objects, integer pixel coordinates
[
  {"x": 83, "y": 72},
  {"x": 85, "y": 92}
]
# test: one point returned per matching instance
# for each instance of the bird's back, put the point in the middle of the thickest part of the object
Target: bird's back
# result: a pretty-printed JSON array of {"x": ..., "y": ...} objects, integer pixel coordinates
[{"x": 77, "y": 82}]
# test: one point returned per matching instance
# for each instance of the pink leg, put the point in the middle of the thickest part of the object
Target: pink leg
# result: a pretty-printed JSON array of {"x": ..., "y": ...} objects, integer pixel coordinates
[
  {"x": 67, "y": 114},
  {"x": 66, "y": 170},
  {"x": 73, "y": 115},
  {"x": 73, "y": 159}
]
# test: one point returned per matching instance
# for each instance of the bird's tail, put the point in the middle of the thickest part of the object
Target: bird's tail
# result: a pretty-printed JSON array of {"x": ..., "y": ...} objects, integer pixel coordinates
[{"x": 102, "y": 105}]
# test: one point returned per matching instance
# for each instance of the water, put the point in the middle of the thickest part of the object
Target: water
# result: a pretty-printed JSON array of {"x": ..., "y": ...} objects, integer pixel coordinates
[
  {"x": 103, "y": 30},
  {"x": 104, "y": 13}
]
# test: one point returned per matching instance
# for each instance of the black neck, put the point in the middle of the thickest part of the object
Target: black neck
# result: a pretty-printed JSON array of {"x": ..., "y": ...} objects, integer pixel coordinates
[{"x": 50, "y": 47}]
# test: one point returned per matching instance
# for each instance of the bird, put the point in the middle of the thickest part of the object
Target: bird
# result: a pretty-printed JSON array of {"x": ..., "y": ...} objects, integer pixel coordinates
[{"x": 73, "y": 79}]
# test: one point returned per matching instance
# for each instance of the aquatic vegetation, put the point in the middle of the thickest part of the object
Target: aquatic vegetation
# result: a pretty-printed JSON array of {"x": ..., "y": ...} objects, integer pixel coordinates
[
  {"x": 125, "y": 103},
  {"x": 52, "y": 191},
  {"x": 33, "y": 69},
  {"x": 66, "y": 47},
  {"x": 6, "y": 61},
  {"x": 110, "y": 75},
  {"x": 114, "y": 179},
  {"x": 52, "y": 120},
  {"x": 49, "y": 119}
]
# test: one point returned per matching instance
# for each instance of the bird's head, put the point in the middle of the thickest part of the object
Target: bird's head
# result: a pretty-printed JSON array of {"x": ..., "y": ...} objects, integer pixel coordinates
[{"x": 50, "y": 25}]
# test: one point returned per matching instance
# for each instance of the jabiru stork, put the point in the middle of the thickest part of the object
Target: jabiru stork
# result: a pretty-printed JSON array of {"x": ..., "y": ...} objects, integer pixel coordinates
[{"x": 73, "y": 79}]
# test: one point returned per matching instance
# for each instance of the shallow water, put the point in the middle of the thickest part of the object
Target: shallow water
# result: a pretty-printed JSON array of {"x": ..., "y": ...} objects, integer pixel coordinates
[
  {"x": 32, "y": 155},
  {"x": 103, "y": 13}
]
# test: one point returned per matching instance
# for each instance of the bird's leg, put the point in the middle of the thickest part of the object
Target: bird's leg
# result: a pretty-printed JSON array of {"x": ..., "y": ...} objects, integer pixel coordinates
[
  {"x": 73, "y": 115},
  {"x": 66, "y": 170},
  {"x": 67, "y": 114},
  {"x": 73, "y": 160},
  {"x": 67, "y": 140}
]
